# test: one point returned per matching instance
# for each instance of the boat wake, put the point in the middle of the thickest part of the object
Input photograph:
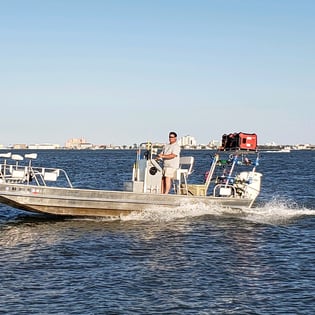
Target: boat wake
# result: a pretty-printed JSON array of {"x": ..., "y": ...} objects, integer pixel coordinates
[
  {"x": 273, "y": 212},
  {"x": 185, "y": 210},
  {"x": 277, "y": 211}
]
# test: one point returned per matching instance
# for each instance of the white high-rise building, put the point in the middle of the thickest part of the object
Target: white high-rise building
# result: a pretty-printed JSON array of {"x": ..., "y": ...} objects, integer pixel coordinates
[{"x": 187, "y": 141}]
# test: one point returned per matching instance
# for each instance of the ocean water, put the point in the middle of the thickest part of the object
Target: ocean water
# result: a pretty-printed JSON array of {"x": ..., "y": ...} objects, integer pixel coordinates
[{"x": 190, "y": 260}]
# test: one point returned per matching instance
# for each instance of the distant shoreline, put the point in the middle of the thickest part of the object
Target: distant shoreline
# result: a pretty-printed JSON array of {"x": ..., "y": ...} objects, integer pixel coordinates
[{"x": 260, "y": 148}]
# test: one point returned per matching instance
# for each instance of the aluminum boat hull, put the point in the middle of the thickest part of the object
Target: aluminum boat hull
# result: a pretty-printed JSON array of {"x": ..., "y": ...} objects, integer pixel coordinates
[{"x": 102, "y": 203}]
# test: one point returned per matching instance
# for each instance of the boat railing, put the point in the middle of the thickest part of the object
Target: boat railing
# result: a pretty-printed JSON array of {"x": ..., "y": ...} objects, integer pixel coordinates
[
  {"x": 41, "y": 176},
  {"x": 15, "y": 173},
  {"x": 45, "y": 175}
]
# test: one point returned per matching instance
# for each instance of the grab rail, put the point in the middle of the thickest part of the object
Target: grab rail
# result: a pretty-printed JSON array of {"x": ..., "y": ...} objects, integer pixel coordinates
[{"x": 28, "y": 175}]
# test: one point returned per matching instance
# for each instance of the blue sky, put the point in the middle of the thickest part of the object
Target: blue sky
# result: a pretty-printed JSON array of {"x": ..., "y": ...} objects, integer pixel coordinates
[{"x": 123, "y": 72}]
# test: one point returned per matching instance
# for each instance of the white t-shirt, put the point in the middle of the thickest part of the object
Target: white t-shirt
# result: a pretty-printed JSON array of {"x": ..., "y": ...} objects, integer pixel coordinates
[{"x": 169, "y": 149}]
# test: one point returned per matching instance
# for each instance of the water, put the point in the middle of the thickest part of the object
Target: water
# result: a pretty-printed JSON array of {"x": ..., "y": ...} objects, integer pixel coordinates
[{"x": 190, "y": 260}]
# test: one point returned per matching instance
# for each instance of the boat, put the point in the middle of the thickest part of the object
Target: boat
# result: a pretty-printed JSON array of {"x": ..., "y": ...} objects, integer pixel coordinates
[
  {"x": 286, "y": 149},
  {"x": 28, "y": 187}
]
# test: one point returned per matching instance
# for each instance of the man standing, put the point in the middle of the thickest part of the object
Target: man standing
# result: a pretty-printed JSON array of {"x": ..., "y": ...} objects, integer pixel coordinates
[{"x": 170, "y": 156}]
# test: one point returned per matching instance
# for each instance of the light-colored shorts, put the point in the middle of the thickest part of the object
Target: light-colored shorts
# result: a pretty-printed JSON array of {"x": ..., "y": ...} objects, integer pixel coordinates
[{"x": 169, "y": 172}]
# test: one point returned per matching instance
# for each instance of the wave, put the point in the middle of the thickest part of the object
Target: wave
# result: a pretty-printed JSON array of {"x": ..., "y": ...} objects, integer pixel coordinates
[
  {"x": 276, "y": 211},
  {"x": 185, "y": 210}
]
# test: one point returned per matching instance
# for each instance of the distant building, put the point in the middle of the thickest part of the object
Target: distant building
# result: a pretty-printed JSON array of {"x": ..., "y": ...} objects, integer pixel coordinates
[
  {"x": 78, "y": 143},
  {"x": 303, "y": 146},
  {"x": 44, "y": 146},
  {"x": 187, "y": 141},
  {"x": 75, "y": 143},
  {"x": 214, "y": 144},
  {"x": 19, "y": 146},
  {"x": 271, "y": 144},
  {"x": 85, "y": 145}
]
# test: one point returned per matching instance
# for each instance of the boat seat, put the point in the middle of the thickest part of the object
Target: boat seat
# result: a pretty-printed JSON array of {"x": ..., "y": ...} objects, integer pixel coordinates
[
  {"x": 186, "y": 164},
  {"x": 51, "y": 175},
  {"x": 18, "y": 176},
  {"x": 202, "y": 189}
]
